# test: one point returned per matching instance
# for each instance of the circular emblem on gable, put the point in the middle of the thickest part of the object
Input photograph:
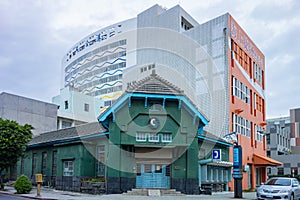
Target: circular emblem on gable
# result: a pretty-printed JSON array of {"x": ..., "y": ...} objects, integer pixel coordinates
[{"x": 154, "y": 123}]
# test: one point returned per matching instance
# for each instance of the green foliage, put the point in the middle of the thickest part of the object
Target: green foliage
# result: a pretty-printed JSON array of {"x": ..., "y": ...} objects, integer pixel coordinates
[
  {"x": 23, "y": 185},
  {"x": 96, "y": 180},
  {"x": 13, "y": 140}
]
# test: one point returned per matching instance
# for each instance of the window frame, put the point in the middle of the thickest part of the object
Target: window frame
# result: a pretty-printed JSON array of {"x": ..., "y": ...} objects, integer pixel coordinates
[
  {"x": 241, "y": 125},
  {"x": 141, "y": 137},
  {"x": 44, "y": 163},
  {"x": 169, "y": 139},
  {"x": 86, "y": 107},
  {"x": 153, "y": 137},
  {"x": 66, "y": 170},
  {"x": 54, "y": 163},
  {"x": 100, "y": 162}
]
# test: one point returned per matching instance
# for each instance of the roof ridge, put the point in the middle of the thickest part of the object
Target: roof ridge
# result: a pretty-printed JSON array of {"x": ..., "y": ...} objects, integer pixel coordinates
[{"x": 162, "y": 85}]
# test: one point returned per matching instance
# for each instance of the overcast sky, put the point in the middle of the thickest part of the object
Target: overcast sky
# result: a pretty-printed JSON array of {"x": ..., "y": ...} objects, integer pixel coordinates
[{"x": 35, "y": 35}]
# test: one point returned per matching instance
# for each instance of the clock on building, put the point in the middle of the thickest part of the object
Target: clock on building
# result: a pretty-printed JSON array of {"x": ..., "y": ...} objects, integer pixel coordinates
[{"x": 154, "y": 123}]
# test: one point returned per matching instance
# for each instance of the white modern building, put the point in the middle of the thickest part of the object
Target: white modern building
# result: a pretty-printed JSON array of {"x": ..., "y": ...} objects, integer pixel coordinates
[
  {"x": 75, "y": 108},
  {"x": 101, "y": 63}
]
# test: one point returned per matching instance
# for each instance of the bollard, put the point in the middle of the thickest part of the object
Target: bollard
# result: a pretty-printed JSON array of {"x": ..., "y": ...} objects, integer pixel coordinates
[{"x": 38, "y": 180}]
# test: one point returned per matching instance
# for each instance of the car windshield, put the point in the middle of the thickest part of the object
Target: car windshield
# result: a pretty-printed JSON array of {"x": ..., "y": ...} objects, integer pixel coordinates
[{"x": 279, "y": 182}]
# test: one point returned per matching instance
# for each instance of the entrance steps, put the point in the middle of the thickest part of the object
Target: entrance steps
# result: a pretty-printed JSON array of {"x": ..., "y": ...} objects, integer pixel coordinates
[{"x": 153, "y": 192}]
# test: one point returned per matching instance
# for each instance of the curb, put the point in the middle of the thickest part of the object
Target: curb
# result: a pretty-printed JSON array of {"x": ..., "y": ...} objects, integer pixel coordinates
[{"x": 24, "y": 196}]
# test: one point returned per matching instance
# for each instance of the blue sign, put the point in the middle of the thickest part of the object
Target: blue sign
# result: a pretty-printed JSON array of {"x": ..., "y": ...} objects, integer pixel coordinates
[
  {"x": 216, "y": 154},
  {"x": 236, "y": 161}
]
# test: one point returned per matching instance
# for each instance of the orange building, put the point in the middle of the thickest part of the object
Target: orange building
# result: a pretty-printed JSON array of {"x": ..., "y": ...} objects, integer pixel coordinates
[{"x": 247, "y": 104}]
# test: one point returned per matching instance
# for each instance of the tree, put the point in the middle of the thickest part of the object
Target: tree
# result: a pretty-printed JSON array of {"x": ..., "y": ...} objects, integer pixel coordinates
[{"x": 13, "y": 140}]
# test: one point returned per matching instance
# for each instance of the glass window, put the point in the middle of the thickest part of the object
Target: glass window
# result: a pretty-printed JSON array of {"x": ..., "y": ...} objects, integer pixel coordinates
[
  {"x": 66, "y": 105},
  {"x": 258, "y": 133},
  {"x": 153, "y": 137},
  {"x": 68, "y": 168},
  {"x": 54, "y": 161},
  {"x": 86, "y": 107},
  {"x": 66, "y": 124},
  {"x": 294, "y": 171},
  {"x": 44, "y": 162},
  {"x": 241, "y": 90},
  {"x": 101, "y": 161},
  {"x": 147, "y": 168},
  {"x": 280, "y": 171},
  {"x": 141, "y": 137},
  {"x": 166, "y": 137},
  {"x": 107, "y": 103},
  {"x": 241, "y": 125},
  {"x": 33, "y": 172},
  {"x": 158, "y": 168},
  {"x": 168, "y": 170}
]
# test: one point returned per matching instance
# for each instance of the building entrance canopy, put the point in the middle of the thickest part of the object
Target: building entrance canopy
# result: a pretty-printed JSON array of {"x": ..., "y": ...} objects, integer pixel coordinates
[{"x": 266, "y": 161}]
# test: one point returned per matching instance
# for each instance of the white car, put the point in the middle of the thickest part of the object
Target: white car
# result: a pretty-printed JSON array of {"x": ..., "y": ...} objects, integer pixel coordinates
[{"x": 279, "y": 188}]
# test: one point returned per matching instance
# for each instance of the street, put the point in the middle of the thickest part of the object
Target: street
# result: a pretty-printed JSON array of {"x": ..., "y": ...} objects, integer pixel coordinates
[{"x": 8, "y": 197}]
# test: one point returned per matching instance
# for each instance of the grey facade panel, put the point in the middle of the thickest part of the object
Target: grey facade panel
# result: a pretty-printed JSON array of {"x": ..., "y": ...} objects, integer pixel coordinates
[
  {"x": 9, "y": 101},
  {"x": 11, "y": 114},
  {"x": 41, "y": 115},
  {"x": 286, "y": 164},
  {"x": 26, "y": 105},
  {"x": 50, "y": 110}
]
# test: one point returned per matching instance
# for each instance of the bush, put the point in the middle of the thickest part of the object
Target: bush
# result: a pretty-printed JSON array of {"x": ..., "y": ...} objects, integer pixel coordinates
[
  {"x": 95, "y": 180},
  {"x": 23, "y": 185}
]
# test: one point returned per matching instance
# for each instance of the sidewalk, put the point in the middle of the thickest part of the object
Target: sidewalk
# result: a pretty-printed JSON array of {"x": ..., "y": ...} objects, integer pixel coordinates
[{"x": 52, "y": 194}]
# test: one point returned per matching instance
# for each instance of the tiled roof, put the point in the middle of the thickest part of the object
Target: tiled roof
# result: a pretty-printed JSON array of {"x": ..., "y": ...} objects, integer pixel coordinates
[
  {"x": 154, "y": 84},
  {"x": 68, "y": 133}
]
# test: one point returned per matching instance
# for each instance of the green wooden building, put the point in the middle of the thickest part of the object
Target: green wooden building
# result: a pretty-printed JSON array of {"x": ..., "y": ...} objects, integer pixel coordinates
[{"x": 151, "y": 137}]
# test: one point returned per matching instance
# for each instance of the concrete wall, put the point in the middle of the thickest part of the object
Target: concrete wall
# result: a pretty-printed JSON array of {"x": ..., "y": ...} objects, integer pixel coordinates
[{"x": 41, "y": 115}]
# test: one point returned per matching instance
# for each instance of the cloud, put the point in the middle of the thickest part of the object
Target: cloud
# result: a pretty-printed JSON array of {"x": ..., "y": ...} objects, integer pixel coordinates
[{"x": 36, "y": 34}]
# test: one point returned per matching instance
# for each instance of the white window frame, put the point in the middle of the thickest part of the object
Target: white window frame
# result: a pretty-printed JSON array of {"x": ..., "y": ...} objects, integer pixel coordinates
[
  {"x": 240, "y": 90},
  {"x": 141, "y": 137},
  {"x": 258, "y": 135},
  {"x": 257, "y": 73},
  {"x": 68, "y": 168},
  {"x": 153, "y": 137},
  {"x": 241, "y": 125},
  {"x": 166, "y": 137}
]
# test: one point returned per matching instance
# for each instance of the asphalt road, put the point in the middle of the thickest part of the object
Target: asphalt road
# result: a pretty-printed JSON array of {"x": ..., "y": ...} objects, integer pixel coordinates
[{"x": 8, "y": 197}]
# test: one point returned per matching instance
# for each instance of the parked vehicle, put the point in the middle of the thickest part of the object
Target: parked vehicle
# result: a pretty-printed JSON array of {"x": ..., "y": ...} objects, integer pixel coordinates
[{"x": 279, "y": 188}]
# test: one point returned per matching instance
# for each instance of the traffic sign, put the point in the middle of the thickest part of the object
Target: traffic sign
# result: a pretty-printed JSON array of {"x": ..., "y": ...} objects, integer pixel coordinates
[{"x": 216, "y": 154}]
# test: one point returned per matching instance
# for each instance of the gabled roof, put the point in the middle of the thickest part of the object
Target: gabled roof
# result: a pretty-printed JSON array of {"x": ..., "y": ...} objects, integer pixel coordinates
[
  {"x": 154, "y": 84},
  {"x": 67, "y": 135}
]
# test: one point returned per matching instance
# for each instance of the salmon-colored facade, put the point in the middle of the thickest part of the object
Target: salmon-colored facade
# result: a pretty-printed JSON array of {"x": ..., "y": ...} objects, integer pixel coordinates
[{"x": 247, "y": 104}]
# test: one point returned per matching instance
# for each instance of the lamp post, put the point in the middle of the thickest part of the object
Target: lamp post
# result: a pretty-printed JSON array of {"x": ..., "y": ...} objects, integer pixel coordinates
[{"x": 237, "y": 164}]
